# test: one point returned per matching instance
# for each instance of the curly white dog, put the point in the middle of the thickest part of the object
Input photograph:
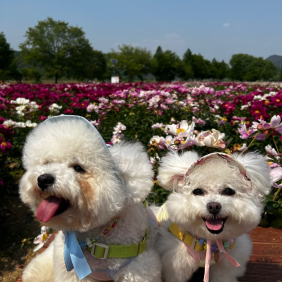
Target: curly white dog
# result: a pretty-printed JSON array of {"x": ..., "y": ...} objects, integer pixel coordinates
[
  {"x": 217, "y": 200},
  {"x": 74, "y": 183}
]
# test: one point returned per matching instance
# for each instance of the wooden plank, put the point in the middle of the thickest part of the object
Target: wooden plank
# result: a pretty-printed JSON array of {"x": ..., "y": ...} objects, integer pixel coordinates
[
  {"x": 267, "y": 235},
  {"x": 262, "y": 272}
]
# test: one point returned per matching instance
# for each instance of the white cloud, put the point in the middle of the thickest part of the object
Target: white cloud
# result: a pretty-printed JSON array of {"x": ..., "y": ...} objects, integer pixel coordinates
[
  {"x": 172, "y": 35},
  {"x": 226, "y": 25}
]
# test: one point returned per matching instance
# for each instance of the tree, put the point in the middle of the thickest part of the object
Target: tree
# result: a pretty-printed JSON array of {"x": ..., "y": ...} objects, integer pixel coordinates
[
  {"x": 60, "y": 49},
  {"x": 240, "y": 64},
  {"x": 97, "y": 66},
  {"x": 280, "y": 76},
  {"x": 6, "y": 53},
  {"x": 187, "y": 69},
  {"x": 166, "y": 65},
  {"x": 132, "y": 61},
  {"x": 8, "y": 68},
  {"x": 269, "y": 71},
  {"x": 219, "y": 70},
  {"x": 31, "y": 73},
  {"x": 250, "y": 68}
]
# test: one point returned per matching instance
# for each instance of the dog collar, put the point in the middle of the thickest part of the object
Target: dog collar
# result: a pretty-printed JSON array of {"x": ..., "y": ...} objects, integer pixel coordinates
[
  {"x": 196, "y": 243},
  {"x": 203, "y": 253},
  {"x": 104, "y": 251}
]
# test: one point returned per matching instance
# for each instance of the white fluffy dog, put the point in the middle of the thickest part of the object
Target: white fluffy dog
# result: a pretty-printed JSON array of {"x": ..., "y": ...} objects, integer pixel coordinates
[
  {"x": 74, "y": 183},
  {"x": 217, "y": 199}
]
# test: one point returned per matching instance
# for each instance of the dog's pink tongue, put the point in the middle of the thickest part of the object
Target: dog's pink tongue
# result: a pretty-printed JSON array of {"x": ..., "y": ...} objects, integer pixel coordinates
[
  {"x": 214, "y": 224},
  {"x": 48, "y": 208}
]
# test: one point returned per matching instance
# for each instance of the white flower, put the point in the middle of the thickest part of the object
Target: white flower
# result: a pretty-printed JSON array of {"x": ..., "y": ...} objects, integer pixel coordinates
[
  {"x": 20, "y": 101},
  {"x": 184, "y": 130},
  {"x": 243, "y": 148},
  {"x": 169, "y": 141},
  {"x": 210, "y": 139},
  {"x": 117, "y": 138},
  {"x": 157, "y": 125},
  {"x": 119, "y": 128},
  {"x": 28, "y": 123},
  {"x": 171, "y": 128},
  {"x": 158, "y": 141},
  {"x": 21, "y": 108},
  {"x": 271, "y": 151},
  {"x": 20, "y": 124},
  {"x": 54, "y": 108},
  {"x": 9, "y": 122}
]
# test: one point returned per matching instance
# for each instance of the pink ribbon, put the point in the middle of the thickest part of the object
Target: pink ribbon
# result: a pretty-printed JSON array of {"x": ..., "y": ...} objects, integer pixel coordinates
[
  {"x": 207, "y": 262},
  {"x": 197, "y": 256},
  {"x": 231, "y": 259}
]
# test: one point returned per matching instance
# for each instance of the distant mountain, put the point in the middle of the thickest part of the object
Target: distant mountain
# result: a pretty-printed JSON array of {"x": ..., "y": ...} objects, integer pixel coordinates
[{"x": 276, "y": 60}]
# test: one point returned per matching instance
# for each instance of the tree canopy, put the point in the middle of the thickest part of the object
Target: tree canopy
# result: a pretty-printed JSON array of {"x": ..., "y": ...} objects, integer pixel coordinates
[
  {"x": 250, "y": 68},
  {"x": 8, "y": 67},
  {"x": 166, "y": 65},
  {"x": 132, "y": 61},
  {"x": 60, "y": 49}
]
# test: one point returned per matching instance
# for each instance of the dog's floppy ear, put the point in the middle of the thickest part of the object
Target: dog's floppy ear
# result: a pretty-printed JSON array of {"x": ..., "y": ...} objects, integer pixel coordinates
[
  {"x": 173, "y": 168},
  {"x": 258, "y": 171},
  {"x": 135, "y": 168}
]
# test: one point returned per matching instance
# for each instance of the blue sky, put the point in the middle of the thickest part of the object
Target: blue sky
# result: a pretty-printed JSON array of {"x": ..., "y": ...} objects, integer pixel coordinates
[{"x": 215, "y": 29}]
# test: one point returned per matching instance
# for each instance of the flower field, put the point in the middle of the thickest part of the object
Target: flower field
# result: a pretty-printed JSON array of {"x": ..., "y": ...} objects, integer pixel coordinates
[{"x": 205, "y": 117}]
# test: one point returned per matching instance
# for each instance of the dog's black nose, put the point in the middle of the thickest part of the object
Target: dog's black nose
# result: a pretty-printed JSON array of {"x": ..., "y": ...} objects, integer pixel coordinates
[
  {"x": 45, "y": 180},
  {"x": 214, "y": 207}
]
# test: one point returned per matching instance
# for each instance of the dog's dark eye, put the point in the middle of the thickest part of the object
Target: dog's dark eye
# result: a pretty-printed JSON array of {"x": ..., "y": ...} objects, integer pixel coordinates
[
  {"x": 78, "y": 168},
  {"x": 228, "y": 192},
  {"x": 198, "y": 192}
]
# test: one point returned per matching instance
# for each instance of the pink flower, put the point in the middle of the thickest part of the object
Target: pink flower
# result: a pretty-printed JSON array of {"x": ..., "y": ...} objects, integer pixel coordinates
[
  {"x": 244, "y": 132},
  {"x": 199, "y": 121},
  {"x": 276, "y": 175},
  {"x": 157, "y": 125},
  {"x": 158, "y": 141},
  {"x": 274, "y": 124}
]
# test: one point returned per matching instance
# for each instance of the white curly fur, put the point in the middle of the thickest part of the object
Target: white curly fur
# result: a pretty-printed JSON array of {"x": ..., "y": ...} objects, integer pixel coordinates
[
  {"x": 242, "y": 210},
  {"x": 115, "y": 184}
]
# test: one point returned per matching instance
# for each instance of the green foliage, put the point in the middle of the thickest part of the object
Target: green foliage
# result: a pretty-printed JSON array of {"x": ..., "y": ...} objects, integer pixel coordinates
[
  {"x": 273, "y": 211},
  {"x": 8, "y": 67},
  {"x": 60, "y": 49},
  {"x": 31, "y": 73},
  {"x": 195, "y": 66},
  {"x": 6, "y": 53},
  {"x": 132, "y": 61},
  {"x": 97, "y": 66},
  {"x": 280, "y": 76},
  {"x": 249, "y": 68},
  {"x": 166, "y": 65}
]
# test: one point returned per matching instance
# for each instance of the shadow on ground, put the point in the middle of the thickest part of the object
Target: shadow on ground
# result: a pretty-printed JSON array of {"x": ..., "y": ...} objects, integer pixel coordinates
[{"x": 17, "y": 224}]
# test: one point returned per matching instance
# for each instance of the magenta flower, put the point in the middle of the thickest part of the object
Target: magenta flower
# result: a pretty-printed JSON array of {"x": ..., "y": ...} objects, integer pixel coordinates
[
  {"x": 68, "y": 111},
  {"x": 5, "y": 146}
]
